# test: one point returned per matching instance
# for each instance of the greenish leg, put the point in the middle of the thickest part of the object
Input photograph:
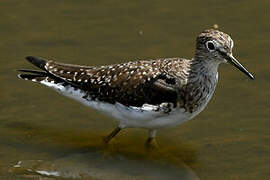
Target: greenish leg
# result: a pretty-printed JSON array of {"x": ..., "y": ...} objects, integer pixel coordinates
[
  {"x": 108, "y": 138},
  {"x": 151, "y": 141}
]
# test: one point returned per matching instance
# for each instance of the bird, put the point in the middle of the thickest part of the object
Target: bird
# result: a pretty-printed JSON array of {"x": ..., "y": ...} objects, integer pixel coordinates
[{"x": 149, "y": 94}]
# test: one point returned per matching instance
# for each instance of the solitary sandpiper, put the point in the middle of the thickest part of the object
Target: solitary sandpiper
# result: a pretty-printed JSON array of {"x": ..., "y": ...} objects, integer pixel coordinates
[{"x": 148, "y": 94}]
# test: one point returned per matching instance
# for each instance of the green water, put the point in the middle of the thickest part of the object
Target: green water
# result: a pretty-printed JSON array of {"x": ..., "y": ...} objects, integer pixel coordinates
[{"x": 42, "y": 131}]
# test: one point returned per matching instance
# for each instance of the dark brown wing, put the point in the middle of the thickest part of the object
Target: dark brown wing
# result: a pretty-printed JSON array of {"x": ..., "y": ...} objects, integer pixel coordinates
[{"x": 131, "y": 84}]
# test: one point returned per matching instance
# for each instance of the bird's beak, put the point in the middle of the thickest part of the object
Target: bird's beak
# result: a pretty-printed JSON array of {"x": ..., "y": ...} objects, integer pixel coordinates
[{"x": 234, "y": 62}]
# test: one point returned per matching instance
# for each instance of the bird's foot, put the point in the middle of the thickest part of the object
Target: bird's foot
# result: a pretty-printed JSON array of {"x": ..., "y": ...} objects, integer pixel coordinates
[
  {"x": 151, "y": 143},
  {"x": 106, "y": 139}
]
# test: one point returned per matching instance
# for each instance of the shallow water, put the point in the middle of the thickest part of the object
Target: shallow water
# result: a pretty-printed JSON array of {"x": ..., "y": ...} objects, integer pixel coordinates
[{"x": 47, "y": 136}]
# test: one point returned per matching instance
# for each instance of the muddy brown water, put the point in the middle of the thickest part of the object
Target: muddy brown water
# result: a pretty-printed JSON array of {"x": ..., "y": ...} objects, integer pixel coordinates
[{"x": 47, "y": 136}]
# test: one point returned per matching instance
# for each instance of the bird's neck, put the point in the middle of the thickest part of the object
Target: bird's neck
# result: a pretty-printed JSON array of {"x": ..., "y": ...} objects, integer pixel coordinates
[
  {"x": 204, "y": 67},
  {"x": 201, "y": 84},
  {"x": 203, "y": 73}
]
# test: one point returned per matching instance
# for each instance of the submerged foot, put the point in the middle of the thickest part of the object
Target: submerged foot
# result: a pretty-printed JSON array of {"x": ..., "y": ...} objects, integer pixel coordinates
[{"x": 151, "y": 143}]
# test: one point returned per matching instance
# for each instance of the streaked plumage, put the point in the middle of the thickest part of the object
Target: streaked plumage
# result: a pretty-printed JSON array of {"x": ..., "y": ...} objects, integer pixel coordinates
[{"x": 148, "y": 94}]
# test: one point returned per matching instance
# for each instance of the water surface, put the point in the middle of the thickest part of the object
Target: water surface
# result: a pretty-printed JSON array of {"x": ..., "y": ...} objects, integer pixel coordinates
[{"x": 47, "y": 136}]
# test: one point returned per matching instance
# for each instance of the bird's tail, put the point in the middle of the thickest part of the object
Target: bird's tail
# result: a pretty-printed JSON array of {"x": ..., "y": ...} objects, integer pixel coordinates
[
  {"x": 38, "y": 75},
  {"x": 55, "y": 72},
  {"x": 34, "y": 75}
]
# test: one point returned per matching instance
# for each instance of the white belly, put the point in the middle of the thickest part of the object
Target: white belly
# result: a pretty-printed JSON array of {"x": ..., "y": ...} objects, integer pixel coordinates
[{"x": 147, "y": 116}]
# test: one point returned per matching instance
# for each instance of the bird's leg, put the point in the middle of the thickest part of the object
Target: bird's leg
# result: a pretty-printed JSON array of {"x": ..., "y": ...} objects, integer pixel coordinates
[
  {"x": 112, "y": 134},
  {"x": 151, "y": 141}
]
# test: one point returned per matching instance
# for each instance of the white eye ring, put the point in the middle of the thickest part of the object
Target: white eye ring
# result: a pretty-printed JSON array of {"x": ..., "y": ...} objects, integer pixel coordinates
[{"x": 211, "y": 46}]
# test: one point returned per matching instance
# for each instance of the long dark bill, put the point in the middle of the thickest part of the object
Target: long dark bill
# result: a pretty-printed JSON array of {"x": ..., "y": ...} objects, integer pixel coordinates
[{"x": 235, "y": 63}]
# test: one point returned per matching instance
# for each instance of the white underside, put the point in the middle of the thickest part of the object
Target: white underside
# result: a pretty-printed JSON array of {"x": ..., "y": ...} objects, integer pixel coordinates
[{"x": 146, "y": 116}]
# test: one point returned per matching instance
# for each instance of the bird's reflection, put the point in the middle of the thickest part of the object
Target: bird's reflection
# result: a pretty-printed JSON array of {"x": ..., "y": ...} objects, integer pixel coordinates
[{"x": 87, "y": 157}]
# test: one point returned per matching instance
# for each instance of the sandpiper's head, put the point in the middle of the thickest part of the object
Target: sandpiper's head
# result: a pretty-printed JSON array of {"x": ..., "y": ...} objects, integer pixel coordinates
[{"x": 216, "y": 47}]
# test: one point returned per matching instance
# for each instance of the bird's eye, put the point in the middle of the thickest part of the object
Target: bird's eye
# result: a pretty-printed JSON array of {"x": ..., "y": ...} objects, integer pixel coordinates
[{"x": 210, "y": 45}]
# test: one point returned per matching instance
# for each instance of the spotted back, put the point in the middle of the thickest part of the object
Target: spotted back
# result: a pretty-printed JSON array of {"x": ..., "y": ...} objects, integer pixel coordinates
[{"x": 132, "y": 83}]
